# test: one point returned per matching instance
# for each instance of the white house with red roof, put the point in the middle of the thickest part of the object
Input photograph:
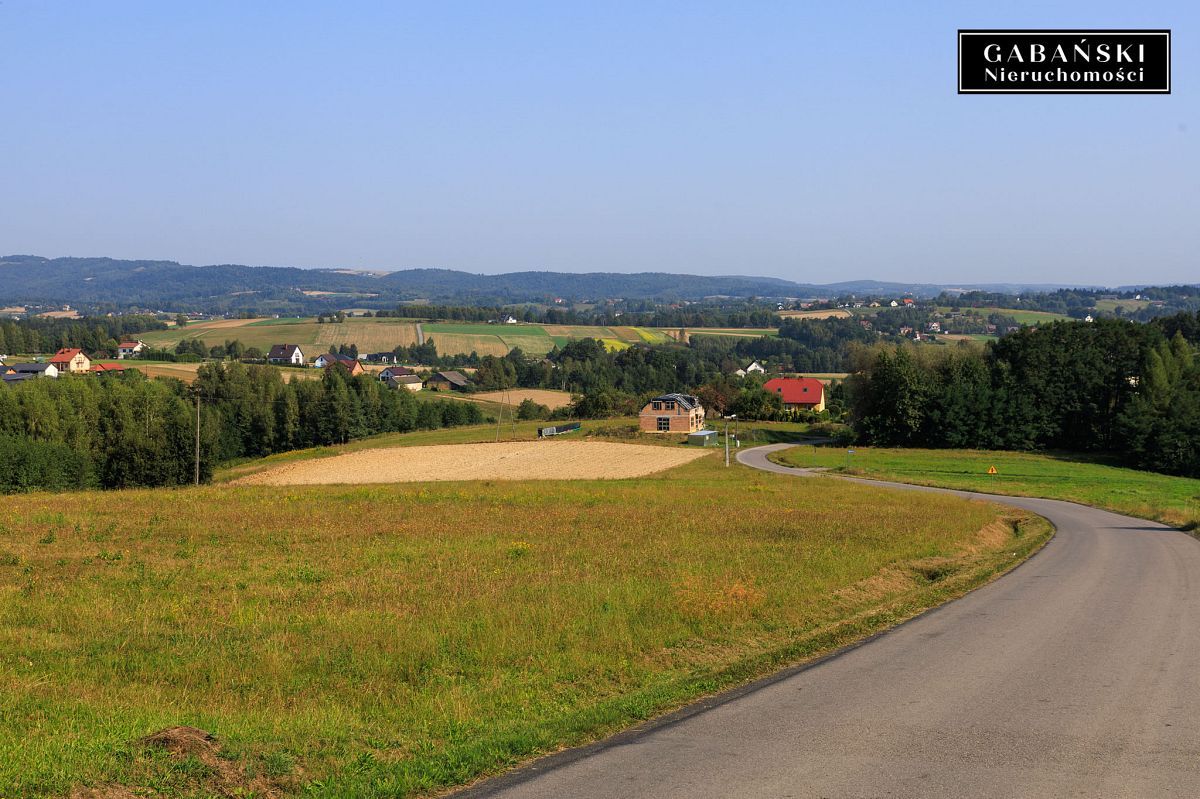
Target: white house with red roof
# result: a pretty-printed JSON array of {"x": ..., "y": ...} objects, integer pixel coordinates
[
  {"x": 130, "y": 349},
  {"x": 798, "y": 393}
]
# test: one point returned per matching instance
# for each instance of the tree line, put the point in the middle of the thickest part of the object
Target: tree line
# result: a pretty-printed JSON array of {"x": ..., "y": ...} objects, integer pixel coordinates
[
  {"x": 1109, "y": 386},
  {"x": 99, "y": 335},
  {"x": 127, "y": 431}
]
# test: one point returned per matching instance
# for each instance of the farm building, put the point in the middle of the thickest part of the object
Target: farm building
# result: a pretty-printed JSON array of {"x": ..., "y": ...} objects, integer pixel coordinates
[
  {"x": 31, "y": 370},
  {"x": 71, "y": 360},
  {"x": 395, "y": 371},
  {"x": 798, "y": 393},
  {"x": 672, "y": 413},
  {"x": 410, "y": 382},
  {"x": 289, "y": 354},
  {"x": 108, "y": 369},
  {"x": 447, "y": 381},
  {"x": 130, "y": 349}
]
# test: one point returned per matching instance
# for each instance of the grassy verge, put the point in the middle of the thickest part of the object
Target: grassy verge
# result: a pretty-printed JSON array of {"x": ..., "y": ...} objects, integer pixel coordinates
[
  {"x": 1173, "y": 500},
  {"x": 394, "y": 640}
]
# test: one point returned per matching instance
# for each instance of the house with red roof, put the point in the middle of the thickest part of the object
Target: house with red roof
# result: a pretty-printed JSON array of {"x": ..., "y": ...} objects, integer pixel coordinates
[
  {"x": 71, "y": 360},
  {"x": 108, "y": 369},
  {"x": 130, "y": 349},
  {"x": 798, "y": 393}
]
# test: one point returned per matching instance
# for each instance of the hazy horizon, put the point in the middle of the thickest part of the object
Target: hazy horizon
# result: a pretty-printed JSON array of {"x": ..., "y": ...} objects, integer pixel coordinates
[{"x": 814, "y": 145}]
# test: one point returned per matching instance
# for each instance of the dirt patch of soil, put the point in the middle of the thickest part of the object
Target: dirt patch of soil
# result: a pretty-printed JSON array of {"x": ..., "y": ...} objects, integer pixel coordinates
[
  {"x": 551, "y": 399},
  {"x": 520, "y": 460}
]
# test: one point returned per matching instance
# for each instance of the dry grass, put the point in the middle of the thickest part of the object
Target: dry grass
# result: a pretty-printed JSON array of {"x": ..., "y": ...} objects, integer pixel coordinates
[
  {"x": 512, "y": 460},
  {"x": 464, "y": 344},
  {"x": 391, "y": 640},
  {"x": 187, "y": 371},
  {"x": 380, "y": 336}
]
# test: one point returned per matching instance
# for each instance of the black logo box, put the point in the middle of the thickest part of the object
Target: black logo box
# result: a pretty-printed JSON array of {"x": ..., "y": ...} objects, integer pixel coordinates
[{"x": 1064, "y": 61}]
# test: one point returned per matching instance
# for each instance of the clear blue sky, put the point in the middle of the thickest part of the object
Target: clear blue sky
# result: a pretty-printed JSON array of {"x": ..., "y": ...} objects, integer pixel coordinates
[{"x": 811, "y": 141}]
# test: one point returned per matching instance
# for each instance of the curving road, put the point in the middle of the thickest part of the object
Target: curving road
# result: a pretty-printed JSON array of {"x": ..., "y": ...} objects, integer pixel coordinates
[{"x": 1078, "y": 674}]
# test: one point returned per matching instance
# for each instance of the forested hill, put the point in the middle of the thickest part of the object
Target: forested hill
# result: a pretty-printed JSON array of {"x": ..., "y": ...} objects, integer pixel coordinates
[
  {"x": 169, "y": 285},
  {"x": 98, "y": 283}
]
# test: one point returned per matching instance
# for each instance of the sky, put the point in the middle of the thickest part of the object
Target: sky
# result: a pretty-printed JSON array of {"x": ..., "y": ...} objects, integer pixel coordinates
[{"x": 811, "y": 141}]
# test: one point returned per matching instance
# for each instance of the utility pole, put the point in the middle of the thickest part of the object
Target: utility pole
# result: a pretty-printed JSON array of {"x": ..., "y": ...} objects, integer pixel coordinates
[
  {"x": 727, "y": 418},
  {"x": 197, "y": 437}
]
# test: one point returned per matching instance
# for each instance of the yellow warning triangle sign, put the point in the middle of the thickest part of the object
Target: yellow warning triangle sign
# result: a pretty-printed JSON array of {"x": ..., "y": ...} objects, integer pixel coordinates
[{"x": 991, "y": 470}]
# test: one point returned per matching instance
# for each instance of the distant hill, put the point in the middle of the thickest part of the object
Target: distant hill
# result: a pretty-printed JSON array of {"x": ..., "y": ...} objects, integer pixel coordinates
[{"x": 166, "y": 285}]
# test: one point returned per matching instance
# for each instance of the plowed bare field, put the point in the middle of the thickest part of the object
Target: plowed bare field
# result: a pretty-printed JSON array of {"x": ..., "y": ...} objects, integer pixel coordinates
[
  {"x": 520, "y": 460},
  {"x": 513, "y": 396}
]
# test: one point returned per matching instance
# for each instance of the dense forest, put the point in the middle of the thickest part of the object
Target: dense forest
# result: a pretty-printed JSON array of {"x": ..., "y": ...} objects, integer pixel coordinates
[
  {"x": 97, "y": 335},
  {"x": 125, "y": 431},
  {"x": 1112, "y": 387}
]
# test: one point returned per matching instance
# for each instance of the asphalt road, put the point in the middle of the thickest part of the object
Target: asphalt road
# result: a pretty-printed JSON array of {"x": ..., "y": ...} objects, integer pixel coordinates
[{"x": 1077, "y": 674}]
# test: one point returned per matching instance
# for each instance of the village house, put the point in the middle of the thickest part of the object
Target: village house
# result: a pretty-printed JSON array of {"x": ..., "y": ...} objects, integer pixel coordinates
[
  {"x": 756, "y": 367},
  {"x": 381, "y": 357},
  {"x": 395, "y": 371},
  {"x": 330, "y": 360},
  {"x": 447, "y": 381},
  {"x": 108, "y": 369},
  {"x": 408, "y": 382},
  {"x": 672, "y": 413},
  {"x": 798, "y": 393},
  {"x": 71, "y": 360},
  {"x": 289, "y": 354},
  {"x": 327, "y": 359},
  {"x": 130, "y": 349}
]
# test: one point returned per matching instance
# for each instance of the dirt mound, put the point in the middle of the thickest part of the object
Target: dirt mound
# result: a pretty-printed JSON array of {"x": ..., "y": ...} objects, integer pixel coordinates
[
  {"x": 221, "y": 778},
  {"x": 183, "y": 741},
  {"x": 517, "y": 460}
]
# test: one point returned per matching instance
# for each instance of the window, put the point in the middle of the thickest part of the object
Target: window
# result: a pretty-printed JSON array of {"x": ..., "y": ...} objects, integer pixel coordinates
[
  {"x": 670, "y": 406},
  {"x": 656, "y": 406},
  {"x": 664, "y": 424}
]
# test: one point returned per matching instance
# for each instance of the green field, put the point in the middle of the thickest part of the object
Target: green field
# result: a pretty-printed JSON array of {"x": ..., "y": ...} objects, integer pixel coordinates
[
  {"x": 391, "y": 640},
  {"x": 1174, "y": 500},
  {"x": 1023, "y": 317}
]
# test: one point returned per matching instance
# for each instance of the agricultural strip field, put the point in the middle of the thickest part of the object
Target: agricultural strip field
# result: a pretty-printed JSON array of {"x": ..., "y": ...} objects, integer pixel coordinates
[
  {"x": 1173, "y": 500},
  {"x": 383, "y": 334},
  {"x": 369, "y": 334},
  {"x": 832, "y": 313},
  {"x": 738, "y": 332},
  {"x": 393, "y": 640},
  {"x": 508, "y": 460}
]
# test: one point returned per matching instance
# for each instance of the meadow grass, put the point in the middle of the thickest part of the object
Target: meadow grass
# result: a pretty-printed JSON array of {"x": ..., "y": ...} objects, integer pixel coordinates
[
  {"x": 1173, "y": 500},
  {"x": 392, "y": 640}
]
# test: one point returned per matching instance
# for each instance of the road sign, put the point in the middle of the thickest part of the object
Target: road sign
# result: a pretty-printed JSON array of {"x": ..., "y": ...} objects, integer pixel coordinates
[{"x": 992, "y": 470}]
